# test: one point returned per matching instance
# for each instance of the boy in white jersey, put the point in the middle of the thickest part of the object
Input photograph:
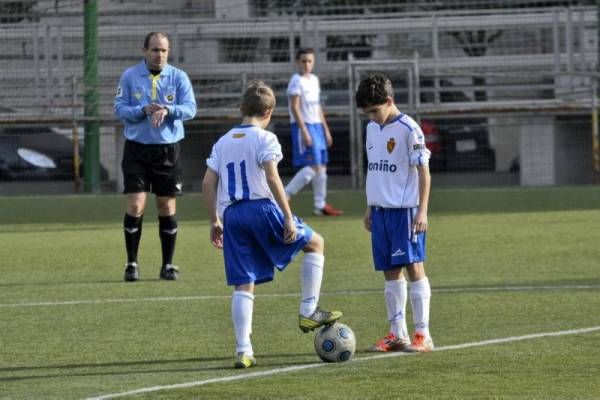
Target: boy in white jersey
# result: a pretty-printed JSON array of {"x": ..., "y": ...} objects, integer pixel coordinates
[
  {"x": 251, "y": 220},
  {"x": 398, "y": 185},
  {"x": 309, "y": 133}
]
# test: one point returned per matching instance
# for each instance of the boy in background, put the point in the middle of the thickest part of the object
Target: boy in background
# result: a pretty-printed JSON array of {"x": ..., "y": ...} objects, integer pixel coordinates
[
  {"x": 251, "y": 220},
  {"x": 398, "y": 186},
  {"x": 310, "y": 134}
]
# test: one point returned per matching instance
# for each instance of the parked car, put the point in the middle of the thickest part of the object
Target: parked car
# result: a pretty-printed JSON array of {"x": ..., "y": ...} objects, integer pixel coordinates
[
  {"x": 459, "y": 145},
  {"x": 38, "y": 153},
  {"x": 28, "y": 153}
]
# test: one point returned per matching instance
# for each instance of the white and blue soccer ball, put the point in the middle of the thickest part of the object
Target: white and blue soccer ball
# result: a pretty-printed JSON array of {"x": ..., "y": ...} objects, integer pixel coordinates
[{"x": 335, "y": 343}]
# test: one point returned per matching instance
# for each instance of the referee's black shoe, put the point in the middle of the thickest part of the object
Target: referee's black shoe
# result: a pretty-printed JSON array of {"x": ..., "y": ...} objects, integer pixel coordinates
[
  {"x": 169, "y": 272},
  {"x": 132, "y": 272}
]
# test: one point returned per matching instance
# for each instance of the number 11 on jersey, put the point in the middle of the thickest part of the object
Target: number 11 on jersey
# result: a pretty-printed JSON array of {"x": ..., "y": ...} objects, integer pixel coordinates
[{"x": 231, "y": 181}]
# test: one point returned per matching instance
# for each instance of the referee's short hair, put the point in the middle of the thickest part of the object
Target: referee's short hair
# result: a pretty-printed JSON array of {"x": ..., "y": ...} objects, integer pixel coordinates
[{"x": 151, "y": 35}]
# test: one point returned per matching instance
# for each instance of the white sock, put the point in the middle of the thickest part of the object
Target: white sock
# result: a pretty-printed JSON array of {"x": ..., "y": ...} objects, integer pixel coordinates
[
  {"x": 395, "y": 301},
  {"x": 420, "y": 294},
  {"x": 319, "y": 184},
  {"x": 242, "y": 305},
  {"x": 311, "y": 275},
  {"x": 301, "y": 179}
]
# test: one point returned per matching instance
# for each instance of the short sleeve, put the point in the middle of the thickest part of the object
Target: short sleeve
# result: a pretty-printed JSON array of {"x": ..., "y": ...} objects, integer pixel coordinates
[
  {"x": 270, "y": 149},
  {"x": 418, "y": 152},
  {"x": 294, "y": 88},
  {"x": 212, "y": 161}
]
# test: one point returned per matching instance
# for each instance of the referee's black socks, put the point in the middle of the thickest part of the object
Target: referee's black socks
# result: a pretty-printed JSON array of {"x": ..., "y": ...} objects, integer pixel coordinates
[
  {"x": 132, "y": 227},
  {"x": 167, "y": 227}
]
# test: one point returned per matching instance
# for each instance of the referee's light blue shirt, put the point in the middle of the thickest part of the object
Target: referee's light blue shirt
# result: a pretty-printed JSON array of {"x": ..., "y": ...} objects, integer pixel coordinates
[{"x": 138, "y": 88}]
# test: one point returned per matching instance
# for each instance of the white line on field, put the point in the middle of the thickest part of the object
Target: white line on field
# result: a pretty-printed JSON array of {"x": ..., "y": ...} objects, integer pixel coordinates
[
  {"x": 340, "y": 293},
  {"x": 278, "y": 371}
]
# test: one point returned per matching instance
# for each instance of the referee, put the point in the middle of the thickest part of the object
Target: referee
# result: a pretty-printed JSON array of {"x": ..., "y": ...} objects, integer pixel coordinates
[{"x": 153, "y": 99}]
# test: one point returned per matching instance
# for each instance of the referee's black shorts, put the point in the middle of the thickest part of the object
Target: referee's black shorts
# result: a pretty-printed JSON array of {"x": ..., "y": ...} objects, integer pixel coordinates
[{"x": 152, "y": 168}]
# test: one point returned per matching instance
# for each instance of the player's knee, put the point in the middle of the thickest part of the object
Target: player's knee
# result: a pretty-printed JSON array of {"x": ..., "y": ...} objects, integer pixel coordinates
[
  {"x": 316, "y": 244},
  {"x": 135, "y": 209},
  {"x": 166, "y": 206},
  {"x": 415, "y": 271}
]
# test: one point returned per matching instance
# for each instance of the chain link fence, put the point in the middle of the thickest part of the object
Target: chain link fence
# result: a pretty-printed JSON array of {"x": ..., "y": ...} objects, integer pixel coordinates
[{"x": 506, "y": 91}]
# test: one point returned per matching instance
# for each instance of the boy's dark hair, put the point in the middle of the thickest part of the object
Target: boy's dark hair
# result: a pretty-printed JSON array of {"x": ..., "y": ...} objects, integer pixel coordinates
[
  {"x": 304, "y": 50},
  {"x": 151, "y": 35},
  {"x": 257, "y": 99},
  {"x": 374, "y": 90}
]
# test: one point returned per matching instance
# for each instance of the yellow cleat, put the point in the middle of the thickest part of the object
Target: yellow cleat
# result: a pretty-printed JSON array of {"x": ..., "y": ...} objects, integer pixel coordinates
[
  {"x": 317, "y": 319},
  {"x": 244, "y": 361}
]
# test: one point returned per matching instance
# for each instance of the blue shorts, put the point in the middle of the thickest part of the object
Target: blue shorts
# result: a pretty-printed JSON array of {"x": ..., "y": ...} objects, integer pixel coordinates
[
  {"x": 392, "y": 239},
  {"x": 253, "y": 241},
  {"x": 313, "y": 155}
]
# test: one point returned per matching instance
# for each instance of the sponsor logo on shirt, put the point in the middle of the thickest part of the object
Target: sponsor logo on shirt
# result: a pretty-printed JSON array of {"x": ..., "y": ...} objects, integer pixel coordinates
[
  {"x": 382, "y": 166},
  {"x": 239, "y": 135}
]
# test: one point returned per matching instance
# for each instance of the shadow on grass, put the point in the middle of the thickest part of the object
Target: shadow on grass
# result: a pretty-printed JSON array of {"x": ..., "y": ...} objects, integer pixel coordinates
[
  {"x": 64, "y": 283},
  {"x": 223, "y": 363}
]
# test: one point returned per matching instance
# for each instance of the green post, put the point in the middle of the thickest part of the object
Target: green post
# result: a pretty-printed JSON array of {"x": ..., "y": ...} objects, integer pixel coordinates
[{"x": 91, "y": 151}]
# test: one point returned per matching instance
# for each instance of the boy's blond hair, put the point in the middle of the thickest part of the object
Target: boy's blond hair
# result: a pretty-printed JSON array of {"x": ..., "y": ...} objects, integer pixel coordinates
[{"x": 257, "y": 99}]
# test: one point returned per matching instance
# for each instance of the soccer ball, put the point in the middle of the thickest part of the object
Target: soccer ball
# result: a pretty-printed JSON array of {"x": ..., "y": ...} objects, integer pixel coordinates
[{"x": 335, "y": 343}]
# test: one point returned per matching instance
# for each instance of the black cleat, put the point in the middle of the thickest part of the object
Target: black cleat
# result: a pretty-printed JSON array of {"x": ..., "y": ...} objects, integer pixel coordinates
[
  {"x": 169, "y": 272},
  {"x": 132, "y": 272}
]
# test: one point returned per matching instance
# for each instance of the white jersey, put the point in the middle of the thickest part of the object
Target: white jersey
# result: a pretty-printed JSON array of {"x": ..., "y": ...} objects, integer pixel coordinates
[
  {"x": 237, "y": 158},
  {"x": 309, "y": 90},
  {"x": 394, "y": 151}
]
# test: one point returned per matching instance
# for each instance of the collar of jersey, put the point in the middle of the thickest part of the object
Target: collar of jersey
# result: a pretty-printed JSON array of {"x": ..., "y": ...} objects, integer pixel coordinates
[{"x": 392, "y": 121}]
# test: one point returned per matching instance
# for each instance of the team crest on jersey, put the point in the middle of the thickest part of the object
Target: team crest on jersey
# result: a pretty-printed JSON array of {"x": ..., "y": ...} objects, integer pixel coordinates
[
  {"x": 239, "y": 135},
  {"x": 170, "y": 97},
  {"x": 390, "y": 145},
  {"x": 137, "y": 95}
]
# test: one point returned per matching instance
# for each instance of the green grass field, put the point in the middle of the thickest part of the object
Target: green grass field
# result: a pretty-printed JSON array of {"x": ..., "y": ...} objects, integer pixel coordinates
[{"x": 503, "y": 264}]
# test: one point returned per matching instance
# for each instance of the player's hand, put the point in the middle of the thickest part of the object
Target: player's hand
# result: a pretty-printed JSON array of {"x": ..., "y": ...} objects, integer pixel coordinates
[
  {"x": 367, "y": 219},
  {"x": 307, "y": 139},
  {"x": 289, "y": 231},
  {"x": 157, "y": 113},
  {"x": 151, "y": 108},
  {"x": 158, "y": 117},
  {"x": 216, "y": 234},
  {"x": 328, "y": 138},
  {"x": 420, "y": 223}
]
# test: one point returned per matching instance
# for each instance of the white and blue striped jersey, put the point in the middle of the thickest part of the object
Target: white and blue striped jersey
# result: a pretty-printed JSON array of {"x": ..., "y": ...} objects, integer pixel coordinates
[
  {"x": 309, "y": 90},
  {"x": 394, "y": 151},
  {"x": 237, "y": 158}
]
